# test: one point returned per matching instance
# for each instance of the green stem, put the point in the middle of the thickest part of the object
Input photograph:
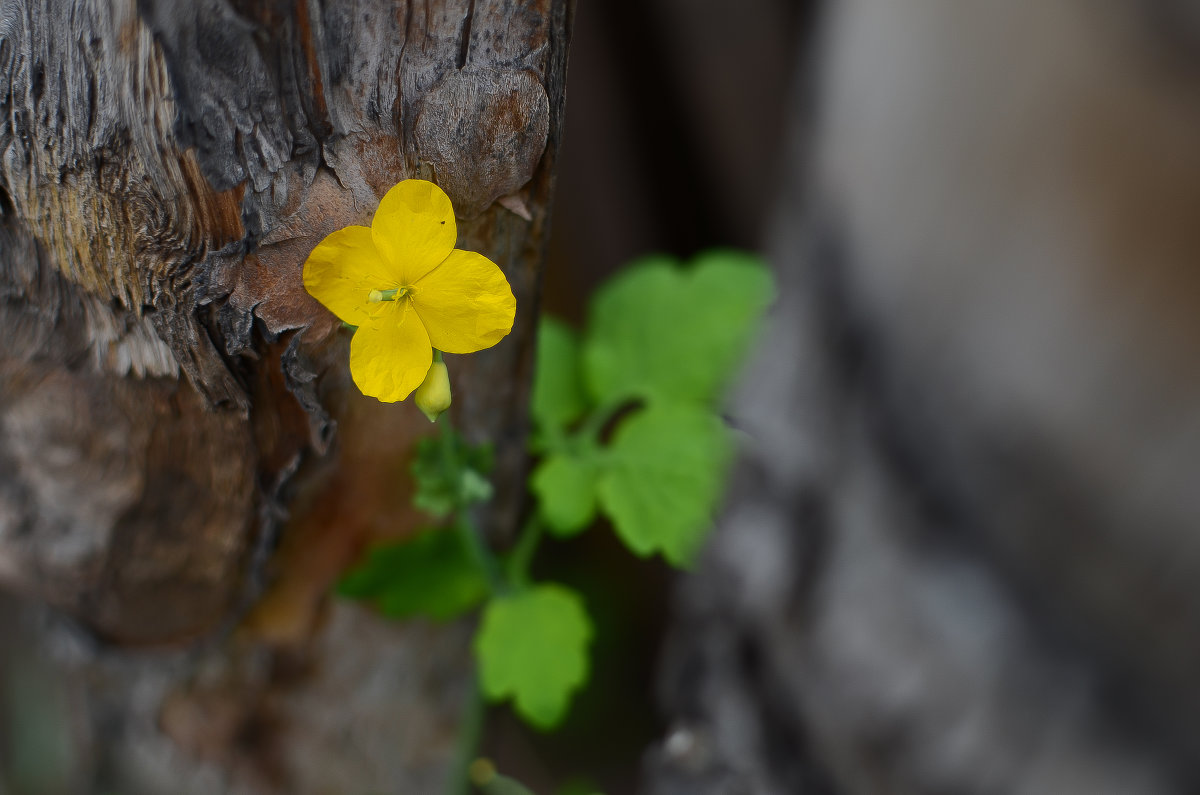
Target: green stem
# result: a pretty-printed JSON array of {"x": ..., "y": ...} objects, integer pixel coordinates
[
  {"x": 483, "y": 556},
  {"x": 446, "y": 441},
  {"x": 470, "y": 733},
  {"x": 524, "y": 550},
  {"x": 463, "y": 525}
]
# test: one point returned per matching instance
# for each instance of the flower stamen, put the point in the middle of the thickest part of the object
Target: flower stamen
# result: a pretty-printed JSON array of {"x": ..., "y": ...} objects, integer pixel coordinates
[{"x": 395, "y": 294}]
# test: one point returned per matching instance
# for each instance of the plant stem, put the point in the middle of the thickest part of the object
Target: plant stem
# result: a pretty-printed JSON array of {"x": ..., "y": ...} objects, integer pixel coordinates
[
  {"x": 514, "y": 575},
  {"x": 483, "y": 556},
  {"x": 523, "y": 551},
  {"x": 469, "y": 734},
  {"x": 463, "y": 525}
]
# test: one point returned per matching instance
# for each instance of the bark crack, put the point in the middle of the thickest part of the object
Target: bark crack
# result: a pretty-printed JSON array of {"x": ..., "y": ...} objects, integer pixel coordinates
[{"x": 465, "y": 46}]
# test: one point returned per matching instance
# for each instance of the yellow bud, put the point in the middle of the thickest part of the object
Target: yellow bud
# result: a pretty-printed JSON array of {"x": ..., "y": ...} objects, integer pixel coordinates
[
  {"x": 433, "y": 395},
  {"x": 481, "y": 772}
]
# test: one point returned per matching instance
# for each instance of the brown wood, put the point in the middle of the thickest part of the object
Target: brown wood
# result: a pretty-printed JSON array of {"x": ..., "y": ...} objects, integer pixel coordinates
[{"x": 173, "y": 405}]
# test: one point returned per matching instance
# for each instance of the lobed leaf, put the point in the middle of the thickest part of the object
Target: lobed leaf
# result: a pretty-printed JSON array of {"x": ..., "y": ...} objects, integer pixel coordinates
[
  {"x": 532, "y": 646},
  {"x": 558, "y": 396},
  {"x": 565, "y": 486},
  {"x": 432, "y": 574},
  {"x": 664, "y": 477},
  {"x": 658, "y": 331}
]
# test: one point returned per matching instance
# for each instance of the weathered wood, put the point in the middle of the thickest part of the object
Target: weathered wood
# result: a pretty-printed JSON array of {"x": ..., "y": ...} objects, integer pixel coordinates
[{"x": 171, "y": 400}]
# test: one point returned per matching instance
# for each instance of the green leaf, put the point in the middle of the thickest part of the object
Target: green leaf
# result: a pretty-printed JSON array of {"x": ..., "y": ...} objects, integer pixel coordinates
[
  {"x": 431, "y": 574},
  {"x": 533, "y": 646},
  {"x": 450, "y": 473},
  {"x": 558, "y": 396},
  {"x": 663, "y": 479},
  {"x": 565, "y": 486},
  {"x": 473, "y": 487},
  {"x": 658, "y": 331}
]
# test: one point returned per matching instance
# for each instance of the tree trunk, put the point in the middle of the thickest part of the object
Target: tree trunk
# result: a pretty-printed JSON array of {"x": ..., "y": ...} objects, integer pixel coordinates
[
  {"x": 181, "y": 448},
  {"x": 960, "y": 555}
]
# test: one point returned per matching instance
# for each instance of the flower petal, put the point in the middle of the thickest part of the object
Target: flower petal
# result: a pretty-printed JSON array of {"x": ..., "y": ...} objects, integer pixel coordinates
[
  {"x": 465, "y": 303},
  {"x": 414, "y": 228},
  {"x": 390, "y": 357},
  {"x": 343, "y": 270}
]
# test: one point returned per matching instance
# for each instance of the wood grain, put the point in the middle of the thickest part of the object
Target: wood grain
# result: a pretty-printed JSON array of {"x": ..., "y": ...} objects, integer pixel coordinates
[{"x": 173, "y": 406}]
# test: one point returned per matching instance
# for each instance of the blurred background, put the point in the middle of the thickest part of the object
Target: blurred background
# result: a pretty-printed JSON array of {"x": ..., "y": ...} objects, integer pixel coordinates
[{"x": 961, "y": 553}]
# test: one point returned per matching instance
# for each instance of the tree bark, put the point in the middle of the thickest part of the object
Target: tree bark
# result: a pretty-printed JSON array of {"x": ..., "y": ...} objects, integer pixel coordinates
[
  {"x": 181, "y": 448},
  {"x": 960, "y": 554}
]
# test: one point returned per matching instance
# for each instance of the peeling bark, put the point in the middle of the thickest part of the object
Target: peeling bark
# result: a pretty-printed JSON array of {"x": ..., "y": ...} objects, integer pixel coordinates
[{"x": 172, "y": 402}]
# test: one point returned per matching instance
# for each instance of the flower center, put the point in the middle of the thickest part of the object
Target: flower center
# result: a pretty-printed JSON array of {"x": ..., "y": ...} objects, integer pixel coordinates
[{"x": 395, "y": 294}]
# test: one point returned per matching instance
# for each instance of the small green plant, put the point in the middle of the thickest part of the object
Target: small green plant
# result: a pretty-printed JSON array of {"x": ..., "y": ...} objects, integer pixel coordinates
[
  {"x": 626, "y": 416},
  {"x": 627, "y": 427}
]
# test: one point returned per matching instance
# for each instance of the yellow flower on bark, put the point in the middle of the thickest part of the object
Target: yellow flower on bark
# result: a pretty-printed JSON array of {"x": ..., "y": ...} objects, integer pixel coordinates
[{"x": 408, "y": 290}]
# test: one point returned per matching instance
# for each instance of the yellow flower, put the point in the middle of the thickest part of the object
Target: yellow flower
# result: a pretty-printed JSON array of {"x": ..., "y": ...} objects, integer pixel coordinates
[{"x": 408, "y": 290}]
